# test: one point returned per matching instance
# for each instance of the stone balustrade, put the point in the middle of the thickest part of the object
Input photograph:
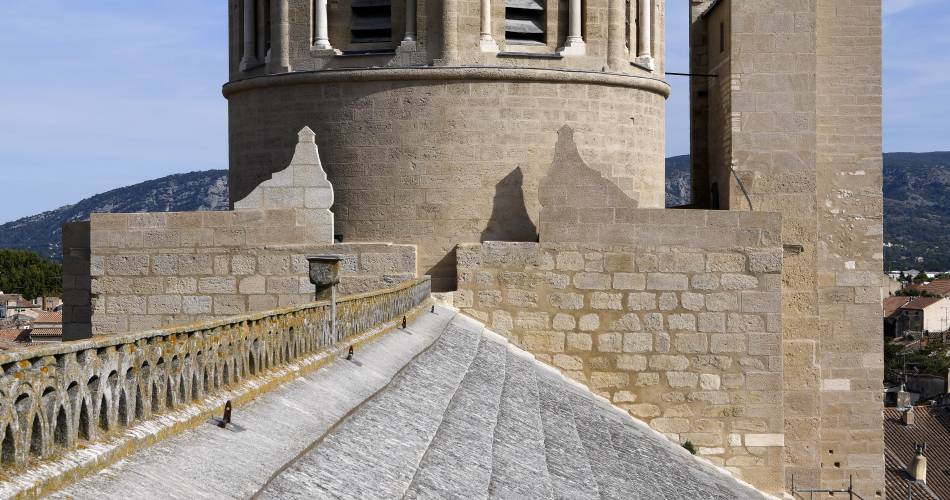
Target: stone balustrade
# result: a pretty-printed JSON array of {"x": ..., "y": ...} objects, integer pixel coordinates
[{"x": 59, "y": 397}]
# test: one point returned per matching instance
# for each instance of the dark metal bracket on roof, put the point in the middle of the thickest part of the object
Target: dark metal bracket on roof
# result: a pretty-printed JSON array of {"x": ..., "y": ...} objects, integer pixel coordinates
[
  {"x": 850, "y": 491},
  {"x": 700, "y": 75},
  {"x": 531, "y": 55}
]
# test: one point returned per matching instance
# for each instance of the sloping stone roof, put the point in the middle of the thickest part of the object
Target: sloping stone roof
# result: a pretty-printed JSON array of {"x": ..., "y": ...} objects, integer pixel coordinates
[{"x": 444, "y": 409}]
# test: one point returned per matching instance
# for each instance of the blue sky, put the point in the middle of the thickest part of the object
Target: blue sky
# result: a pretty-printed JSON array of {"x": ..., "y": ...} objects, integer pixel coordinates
[{"x": 99, "y": 94}]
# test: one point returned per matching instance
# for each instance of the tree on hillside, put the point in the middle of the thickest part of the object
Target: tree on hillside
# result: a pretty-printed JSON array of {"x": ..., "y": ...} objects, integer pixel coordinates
[{"x": 29, "y": 274}]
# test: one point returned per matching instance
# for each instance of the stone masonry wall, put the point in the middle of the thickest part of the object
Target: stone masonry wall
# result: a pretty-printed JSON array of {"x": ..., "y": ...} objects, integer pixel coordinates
[
  {"x": 804, "y": 112},
  {"x": 134, "y": 272},
  {"x": 155, "y": 270},
  {"x": 681, "y": 329},
  {"x": 439, "y": 162},
  {"x": 850, "y": 243}
]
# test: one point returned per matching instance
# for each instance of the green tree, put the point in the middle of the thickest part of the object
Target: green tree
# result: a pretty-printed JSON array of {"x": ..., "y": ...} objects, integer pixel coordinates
[{"x": 29, "y": 274}]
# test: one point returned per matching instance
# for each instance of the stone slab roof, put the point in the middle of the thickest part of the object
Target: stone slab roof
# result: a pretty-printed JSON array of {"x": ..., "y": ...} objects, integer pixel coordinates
[{"x": 443, "y": 409}]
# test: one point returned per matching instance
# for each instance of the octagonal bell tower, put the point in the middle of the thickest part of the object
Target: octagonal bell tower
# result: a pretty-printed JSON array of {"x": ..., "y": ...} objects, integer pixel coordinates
[{"x": 436, "y": 120}]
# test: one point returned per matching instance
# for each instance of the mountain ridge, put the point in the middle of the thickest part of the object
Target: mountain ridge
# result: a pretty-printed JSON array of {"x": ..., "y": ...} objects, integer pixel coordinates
[
  {"x": 192, "y": 191},
  {"x": 916, "y": 206}
]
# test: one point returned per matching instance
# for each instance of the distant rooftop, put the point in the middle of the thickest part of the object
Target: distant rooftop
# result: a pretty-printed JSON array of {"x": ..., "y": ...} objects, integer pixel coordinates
[{"x": 931, "y": 426}]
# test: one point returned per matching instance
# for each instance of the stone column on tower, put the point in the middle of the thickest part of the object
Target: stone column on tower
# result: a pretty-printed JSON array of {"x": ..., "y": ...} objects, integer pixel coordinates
[
  {"x": 249, "y": 59},
  {"x": 410, "y": 36},
  {"x": 450, "y": 32},
  {"x": 574, "y": 45},
  {"x": 321, "y": 38},
  {"x": 645, "y": 34},
  {"x": 280, "y": 34},
  {"x": 615, "y": 37},
  {"x": 486, "y": 42}
]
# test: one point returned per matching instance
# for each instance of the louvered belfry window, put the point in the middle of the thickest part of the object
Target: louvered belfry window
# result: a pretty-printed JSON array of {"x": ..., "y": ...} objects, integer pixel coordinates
[
  {"x": 525, "y": 22},
  {"x": 371, "y": 22}
]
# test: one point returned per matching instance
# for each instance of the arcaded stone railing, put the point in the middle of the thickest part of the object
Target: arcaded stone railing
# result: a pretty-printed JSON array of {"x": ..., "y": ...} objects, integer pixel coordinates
[{"x": 56, "y": 397}]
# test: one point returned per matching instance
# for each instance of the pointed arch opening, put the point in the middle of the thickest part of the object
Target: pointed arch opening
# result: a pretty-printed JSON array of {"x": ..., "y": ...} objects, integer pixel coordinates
[
  {"x": 169, "y": 394},
  {"x": 195, "y": 391},
  {"x": 84, "y": 422},
  {"x": 61, "y": 431},
  {"x": 123, "y": 409},
  {"x": 139, "y": 403},
  {"x": 36, "y": 437},
  {"x": 103, "y": 415},
  {"x": 8, "y": 451},
  {"x": 155, "y": 401}
]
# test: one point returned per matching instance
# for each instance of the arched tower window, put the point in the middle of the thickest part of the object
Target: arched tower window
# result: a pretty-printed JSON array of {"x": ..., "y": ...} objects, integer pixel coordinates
[
  {"x": 525, "y": 22},
  {"x": 255, "y": 36},
  {"x": 263, "y": 29},
  {"x": 371, "y": 21}
]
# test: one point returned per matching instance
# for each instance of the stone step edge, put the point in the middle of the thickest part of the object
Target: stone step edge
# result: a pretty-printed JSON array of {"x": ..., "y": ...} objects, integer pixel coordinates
[
  {"x": 51, "y": 475},
  {"x": 481, "y": 326},
  {"x": 619, "y": 412}
]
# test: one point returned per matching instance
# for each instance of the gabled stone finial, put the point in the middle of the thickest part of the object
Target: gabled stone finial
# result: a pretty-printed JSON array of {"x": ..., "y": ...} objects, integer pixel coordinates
[{"x": 306, "y": 136}]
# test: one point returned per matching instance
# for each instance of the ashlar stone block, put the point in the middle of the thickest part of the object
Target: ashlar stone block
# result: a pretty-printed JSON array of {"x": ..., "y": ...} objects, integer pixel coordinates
[
  {"x": 606, "y": 301},
  {"x": 589, "y": 322},
  {"x": 637, "y": 342},
  {"x": 563, "y": 321},
  {"x": 579, "y": 342},
  {"x": 667, "y": 281},
  {"x": 629, "y": 281},
  {"x": 592, "y": 281},
  {"x": 610, "y": 342}
]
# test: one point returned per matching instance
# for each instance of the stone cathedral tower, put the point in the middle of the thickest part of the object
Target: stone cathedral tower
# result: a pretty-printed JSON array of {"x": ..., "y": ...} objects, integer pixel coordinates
[{"x": 436, "y": 120}]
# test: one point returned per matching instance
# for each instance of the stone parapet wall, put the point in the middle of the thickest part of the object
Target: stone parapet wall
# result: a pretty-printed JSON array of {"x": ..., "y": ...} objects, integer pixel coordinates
[
  {"x": 148, "y": 271},
  {"x": 61, "y": 397},
  {"x": 684, "y": 334}
]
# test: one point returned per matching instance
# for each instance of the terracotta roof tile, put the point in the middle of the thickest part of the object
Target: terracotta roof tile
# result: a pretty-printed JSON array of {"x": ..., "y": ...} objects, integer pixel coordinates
[
  {"x": 15, "y": 335},
  {"x": 921, "y": 302},
  {"x": 931, "y": 425},
  {"x": 892, "y": 304},
  {"x": 46, "y": 332},
  {"x": 49, "y": 317},
  {"x": 938, "y": 287}
]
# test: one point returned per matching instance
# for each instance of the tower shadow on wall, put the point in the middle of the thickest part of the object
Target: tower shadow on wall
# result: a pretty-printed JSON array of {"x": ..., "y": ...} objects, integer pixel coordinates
[
  {"x": 572, "y": 191},
  {"x": 509, "y": 220}
]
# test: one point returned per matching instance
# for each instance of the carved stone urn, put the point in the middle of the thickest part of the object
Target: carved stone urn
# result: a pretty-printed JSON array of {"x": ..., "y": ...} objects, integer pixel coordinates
[{"x": 324, "y": 273}]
